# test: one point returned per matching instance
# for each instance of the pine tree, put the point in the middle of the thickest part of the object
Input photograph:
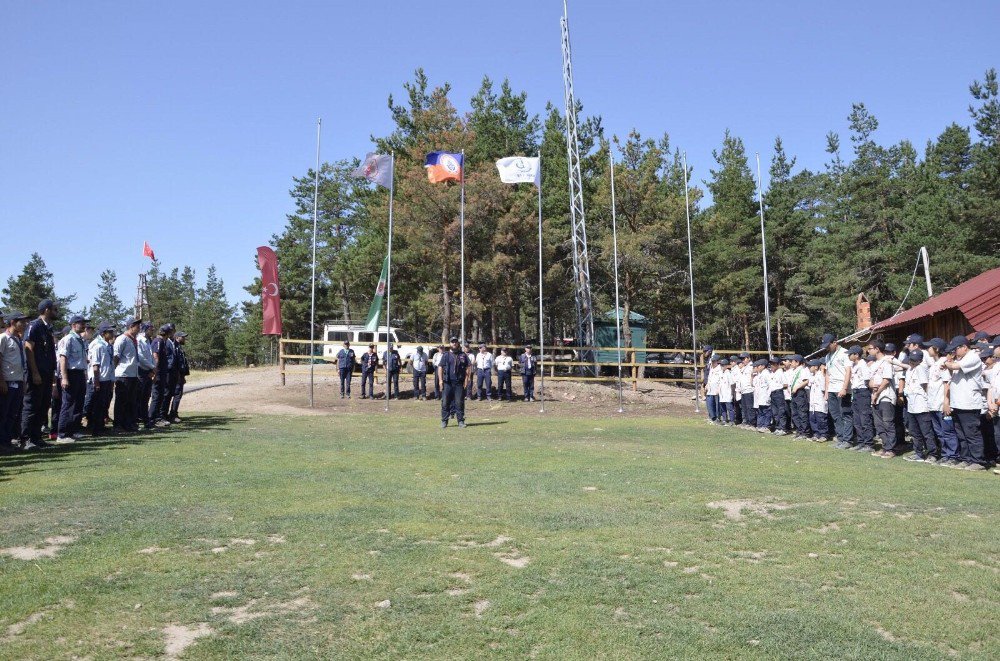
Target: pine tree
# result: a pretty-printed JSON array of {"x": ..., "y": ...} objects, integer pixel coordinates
[
  {"x": 211, "y": 319},
  {"x": 107, "y": 306},
  {"x": 34, "y": 284}
]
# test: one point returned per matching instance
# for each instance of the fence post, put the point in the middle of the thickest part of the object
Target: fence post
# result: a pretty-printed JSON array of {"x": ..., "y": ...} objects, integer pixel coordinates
[{"x": 281, "y": 359}]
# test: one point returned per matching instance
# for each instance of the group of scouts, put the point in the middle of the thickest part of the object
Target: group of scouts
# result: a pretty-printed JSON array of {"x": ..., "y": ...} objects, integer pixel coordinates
[
  {"x": 55, "y": 386},
  {"x": 930, "y": 401},
  {"x": 477, "y": 372}
]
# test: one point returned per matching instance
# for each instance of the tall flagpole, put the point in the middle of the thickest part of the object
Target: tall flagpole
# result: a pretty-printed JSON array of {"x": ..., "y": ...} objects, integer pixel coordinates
[
  {"x": 312, "y": 305},
  {"x": 462, "y": 232},
  {"x": 541, "y": 317},
  {"x": 694, "y": 333},
  {"x": 614, "y": 235},
  {"x": 763, "y": 252},
  {"x": 388, "y": 282}
]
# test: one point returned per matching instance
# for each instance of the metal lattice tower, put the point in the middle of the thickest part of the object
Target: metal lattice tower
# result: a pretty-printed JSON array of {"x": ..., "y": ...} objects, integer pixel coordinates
[
  {"x": 581, "y": 257},
  {"x": 142, "y": 299}
]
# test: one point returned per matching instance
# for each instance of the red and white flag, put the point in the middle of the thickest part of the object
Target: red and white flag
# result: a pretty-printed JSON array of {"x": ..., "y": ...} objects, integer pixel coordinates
[
  {"x": 147, "y": 251},
  {"x": 270, "y": 296}
]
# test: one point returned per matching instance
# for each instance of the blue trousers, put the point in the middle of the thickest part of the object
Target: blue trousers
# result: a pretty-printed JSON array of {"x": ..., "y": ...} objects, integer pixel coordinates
[
  {"x": 392, "y": 385},
  {"x": 96, "y": 405},
  {"x": 483, "y": 378},
  {"x": 419, "y": 383},
  {"x": 749, "y": 412},
  {"x": 819, "y": 422},
  {"x": 369, "y": 378},
  {"x": 145, "y": 391},
  {"x": 800, "y": 411},
  {"x": 922, "y": 428},
  {"x": 528, "y": 383},
  {"x": 885, "y": 423},
  {"x": 944, "y": 430},
  {"x": 726, "y": 413},
  {"x": 779, "y": 411},
  {"x": 345, "y": 380},
  {"x": 452, "y": 401},
  {"x": 72, "y": 403},
  {"x": 10, "y": 412},
  {"x": 840, "y": 411},
  {"x": 504, "y": 388},
  {"x": 863, "y": 417},
  {"x": 712, "y": 404},
  {"x": 764, "y": 416}
]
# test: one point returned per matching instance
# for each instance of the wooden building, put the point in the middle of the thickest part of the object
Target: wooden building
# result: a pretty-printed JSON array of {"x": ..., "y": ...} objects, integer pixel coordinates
[{"x": 970, "y": 307}]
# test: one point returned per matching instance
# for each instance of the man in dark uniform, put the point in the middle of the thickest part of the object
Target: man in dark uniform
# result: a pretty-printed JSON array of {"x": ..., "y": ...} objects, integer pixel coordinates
[
  {"x": 345, "y": 365},
  {"x": 40, "y": 354},
  {"x": 369, "y": 364},
  {"x": 393, "y": 362},
  {"x": 147, "y": 373},
  {"x": 529, "y": 365},
  {"x": 182, "y": 369},
  {"x": 163, "y": 361},
  {"x": 72, "y": 353},
  {"x": 454, "y": 372}
]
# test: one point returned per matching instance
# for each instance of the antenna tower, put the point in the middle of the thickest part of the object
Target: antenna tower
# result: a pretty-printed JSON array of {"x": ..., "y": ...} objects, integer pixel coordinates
[
  {"x": 581, "y": 258},
  {"x": 142, "y": 299}
]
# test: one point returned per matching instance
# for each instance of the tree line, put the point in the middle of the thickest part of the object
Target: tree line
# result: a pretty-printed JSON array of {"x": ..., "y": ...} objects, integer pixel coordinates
[{"x": 855, "y": 225}]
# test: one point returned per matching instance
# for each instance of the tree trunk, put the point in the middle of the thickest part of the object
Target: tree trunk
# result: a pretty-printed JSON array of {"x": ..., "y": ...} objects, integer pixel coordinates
[
  {"x": 344, "y": 301},
  {"x": 777, "y": 322},
  {"x": 746, "y": 333}
]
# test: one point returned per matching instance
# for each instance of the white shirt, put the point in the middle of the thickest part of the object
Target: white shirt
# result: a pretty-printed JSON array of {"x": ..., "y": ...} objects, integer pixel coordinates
[
  {"x": 882, "y": 369},
  {"x": 418, "y": 361},
  {"x": 713, "y": 380},
  {"x": 776, "y": 380},
  {"x": 145, "y": 353},
  {"x": 797, "y": 376},
  {"x": 484, "y": 360},
  {"x": 836, "y": 367},
  {"x": 966, "y": 383},
  {"x": 128, "y": 359},
  {"x": 726, "y": 386},
  {"x": 817, "y": 397},
  {"x": 917, "y": 379},
  {"x": 761, "y": 389},
  {"x": 860, "y": 373},
  {"x": 938, "y": 375},
  {"x": 746, "y": 379},
  {"x": 101, "y": 354},
  {"x": 436, "y": 360},
  {"x": 503, "y": 363}
]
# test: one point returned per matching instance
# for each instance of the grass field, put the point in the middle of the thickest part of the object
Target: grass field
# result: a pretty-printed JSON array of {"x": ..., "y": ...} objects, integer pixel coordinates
[{"x": 357, "y": 536}]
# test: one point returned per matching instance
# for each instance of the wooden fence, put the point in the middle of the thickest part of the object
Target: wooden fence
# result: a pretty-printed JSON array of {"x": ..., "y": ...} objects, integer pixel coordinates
[{"x": 559, "y": 361}]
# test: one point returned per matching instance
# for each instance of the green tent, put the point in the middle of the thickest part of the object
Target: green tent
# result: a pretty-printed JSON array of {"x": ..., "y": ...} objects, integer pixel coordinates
[{"x": 604, "y": 334}]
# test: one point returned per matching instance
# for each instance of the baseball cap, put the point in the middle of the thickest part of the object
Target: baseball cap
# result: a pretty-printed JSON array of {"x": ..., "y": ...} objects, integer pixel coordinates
[
  {"x": 914, "y": 339},
  {"x": 104, "y": 327},
  {"x": 915, "y": 356},
  {"x": 937, "y": 343},
  {"x": 45, "y": 304},
  {"x": 981, "y": 335},
  {"x": 774, "y": 361},
  {"x": 826, "y": 340},
  {"x": 815, "y": 362},
  {"x": 724, "y": 361},
  {"x": 66, "y": 330},
  {"x": 854, "y": 351},
  {"x": 132, "y": 321},
  {"x": 985, "y": 354},
  {"x": 707, "y": 348},
  {"x": 878, "y": 344},
  {"x": 12, "y": 316},
  {"x": 797, "y": 357},
  {"x": 181, "y": 334},
  {"x": 453, "y": 339},
  {"x": 77, "y": 319},
  {"x": 890, "y": 347},
  {"x": 165, "y": 328},
  {"x": 956, "y": 342},
  {"x": 145, "y": 326}
]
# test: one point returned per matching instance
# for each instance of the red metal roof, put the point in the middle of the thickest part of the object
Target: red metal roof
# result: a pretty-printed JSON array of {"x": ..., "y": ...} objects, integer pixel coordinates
[{"x": 978, "y": 299}]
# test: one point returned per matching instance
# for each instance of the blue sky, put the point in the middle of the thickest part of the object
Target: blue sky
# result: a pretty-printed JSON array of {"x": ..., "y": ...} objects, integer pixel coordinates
[{"x": 182, "y": 123}]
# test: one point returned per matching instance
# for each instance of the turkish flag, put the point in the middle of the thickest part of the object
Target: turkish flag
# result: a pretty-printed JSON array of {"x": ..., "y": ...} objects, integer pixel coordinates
[
  {"x": 147, "y": 251},
  {"x": 270, "y": 295}
]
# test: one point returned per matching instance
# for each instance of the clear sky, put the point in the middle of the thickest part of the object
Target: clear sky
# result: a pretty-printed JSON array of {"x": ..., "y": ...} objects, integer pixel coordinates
[{"x": 182, "y": 123}]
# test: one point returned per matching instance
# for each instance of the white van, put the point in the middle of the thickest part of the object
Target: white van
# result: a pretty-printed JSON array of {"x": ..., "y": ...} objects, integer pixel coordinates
[{"x": 335, "y": 333}]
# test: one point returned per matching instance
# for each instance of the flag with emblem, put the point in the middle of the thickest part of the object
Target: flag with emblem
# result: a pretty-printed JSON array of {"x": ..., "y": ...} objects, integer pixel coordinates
[
  {"x": 376, "y": 168},
  {"x": 519, "y": 170},
  {"x": 443, "y": 166},
  {"x": 376, "y": 307}
]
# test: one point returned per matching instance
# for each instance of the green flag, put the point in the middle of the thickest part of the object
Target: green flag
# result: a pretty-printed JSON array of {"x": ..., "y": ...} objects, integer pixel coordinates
[{"x": 376, "y": 307}]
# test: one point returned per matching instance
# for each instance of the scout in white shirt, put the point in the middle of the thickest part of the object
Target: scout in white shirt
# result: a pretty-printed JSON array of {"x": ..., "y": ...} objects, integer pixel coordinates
[
  {"x": 504, "y": 364},
  {"x": 100, "y": 379},
  {"x": 917, "y": 402},
  {"x": 762, "y": 394},
  {"x": 779, "y": 411},
  {"x": 939, "y": 380},
  {"x": 13, "y": 377},
  {"x": 837, "y": 376},
  {"x": 798, "y": 376},
  {"x": 726, "y": 384},
  {"x": 712, "y": 383},
  {"x": 862, "y": 416},
  {"x": 965, "y": 397},
  {"x": 883, "y": 399},
  {"x": 818, "y": 405},
  {"x": 484, "y": 373},
  {"x": 745, "y": 392}
]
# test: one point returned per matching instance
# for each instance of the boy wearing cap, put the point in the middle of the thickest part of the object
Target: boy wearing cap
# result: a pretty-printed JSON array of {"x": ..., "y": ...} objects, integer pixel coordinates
[
  {"x": 726, "y": 393},
  {"x": 861, "y": 402},
  {"x": 798, "y": 384},
  {"x": 72, "y": 355},
  {"x": 818, "y": 406},
  {"x": 369, "y": 365},
  {"x": 965, "y": 402},
  {"x": 713, "y": 383},
  {"x": 762, "y": 395},
  {"x": 163, "y": 362},
  {"x": 100, "y": 379},
  {"x": 938, "y": 381},
  {"x": 40, "y": 355},
  {"x": 126, "y": 358},
  {"x": 918, "y": 404},
  {"x": 182, "y": 370},
  {"x": 745, "y": 373},
  {"x": 776, "y": 395},
  {"x": 883, "y": 399},
  {"x": 144, "y": 388},
  {"x": 13, "y": 373},
  {"x": 504, "y": 364},
  {"x": 345, "y": 366},
  {"x": 837, "y": 390}
]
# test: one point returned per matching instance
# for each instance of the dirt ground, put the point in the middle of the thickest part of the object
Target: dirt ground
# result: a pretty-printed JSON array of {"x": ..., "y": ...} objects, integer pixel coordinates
[{"x": 259, "y": 390}]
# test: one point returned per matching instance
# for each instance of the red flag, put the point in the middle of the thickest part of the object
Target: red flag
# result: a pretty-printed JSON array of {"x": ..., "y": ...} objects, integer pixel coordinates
[
  {"x": 147, "y": 251},
  {"x": 270, "y": 296}
]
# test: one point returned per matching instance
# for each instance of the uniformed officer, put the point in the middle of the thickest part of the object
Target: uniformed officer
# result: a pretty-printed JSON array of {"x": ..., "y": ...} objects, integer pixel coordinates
[
  {"x": 100, "y": 379},
  {"x": 147, "y": 373},
  {"x": 345, "y": 365},
  {"x": 163, "y": 362},
  {"x": 40, "y": 355},
  {"x": 126, "y": 357},
  {"x": 529, "y": 366},
  {"x": 455, "y": 372},
  {"x": 862, "y": 414},
  {"x": 837, "y": 385},
  {"x": 369, "y": 364},
  {"x": 182, "y": 370},
  {"x": 393, "y": 364},
  {"x": 504, "y": 364},
  {"x": 13, "y": 373},
  {"x": 418, "y": 363},
  {"x": 484, "y": 373},
  {"x": 72, "y": 354}
]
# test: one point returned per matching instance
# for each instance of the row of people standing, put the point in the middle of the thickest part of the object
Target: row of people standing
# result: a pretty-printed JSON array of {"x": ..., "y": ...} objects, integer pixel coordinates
[
  {"x": 484, "y": 364},
  {"x": 54, "y": 380},
  {"x": 941, "y": 395}
]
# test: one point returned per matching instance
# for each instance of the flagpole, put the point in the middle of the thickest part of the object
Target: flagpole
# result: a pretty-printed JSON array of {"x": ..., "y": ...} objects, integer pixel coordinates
[
  {"x": 312, "y": 304},
  {"x": 541, "y": 317},
  {"x": 388, "y": 281},
  {"x": 763, "y": 252},
  {"x": 462, "y": 233},
  {"x": 694, "y": 333},
  {"x": 614, "y": 235}
]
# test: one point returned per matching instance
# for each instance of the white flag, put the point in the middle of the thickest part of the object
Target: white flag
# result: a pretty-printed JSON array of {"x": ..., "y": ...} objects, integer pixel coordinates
[
  {"x": 376, "y": 168},
  {"x": 519, "y": 170}
]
